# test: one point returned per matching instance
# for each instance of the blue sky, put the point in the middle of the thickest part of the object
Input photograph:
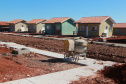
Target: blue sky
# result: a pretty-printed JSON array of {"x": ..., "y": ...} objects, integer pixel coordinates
[{"x": 38, "y": 9}]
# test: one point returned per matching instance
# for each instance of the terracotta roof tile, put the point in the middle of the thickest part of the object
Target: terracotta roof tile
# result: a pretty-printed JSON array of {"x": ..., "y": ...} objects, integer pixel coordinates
[
  {"x": 119, "y": 25},
  {"x": 98, "y": 19},
  {"x": 4, "y": 23},
  {"x": 34, "y": 21},
  {"x": 15, "y": 21},
  {"x": 56, "y": 20}
]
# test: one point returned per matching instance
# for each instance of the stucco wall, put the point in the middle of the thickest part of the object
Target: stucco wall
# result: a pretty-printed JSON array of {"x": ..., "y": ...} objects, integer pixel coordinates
[
  {"x": 90, "y": 32},
  {"x": 65, "y": 28},
  {"x": 100, "y": 28},
  {"x": 53, "y": 31},
  {"x": 121, "y": 31},
  {"x": 12, "y": 27},
  {"x": 19, "y": 25},
  {"x": 31, "y": 28},
  {"x": 39, "y": 27},
  {"x": 103, "y": 25},
  {"x": 68, "y": 27},
  {"x": 48, "y": 28}
]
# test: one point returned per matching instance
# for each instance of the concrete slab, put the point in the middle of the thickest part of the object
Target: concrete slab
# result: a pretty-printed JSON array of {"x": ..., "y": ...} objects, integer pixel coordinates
[
  {"x": 62, "y": 77},
  {"x": 26, "y": 35},
  {"x": 21, "y": 81}
]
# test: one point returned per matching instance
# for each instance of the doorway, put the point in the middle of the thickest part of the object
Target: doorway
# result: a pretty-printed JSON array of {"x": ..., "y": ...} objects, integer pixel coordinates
[
  {"x": 86, "y": 31},
  {"x": 53, "y": 29},
  {"x": 106, "y": 31},
  {"x": 22, "y": 28}
]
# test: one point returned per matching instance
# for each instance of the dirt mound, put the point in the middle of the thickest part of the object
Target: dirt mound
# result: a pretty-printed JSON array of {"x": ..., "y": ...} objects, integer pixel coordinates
[
  {"x": 109, "y": 75},
  {"x": 116, "y": 73},
  {"x": 95, "y": 79}
]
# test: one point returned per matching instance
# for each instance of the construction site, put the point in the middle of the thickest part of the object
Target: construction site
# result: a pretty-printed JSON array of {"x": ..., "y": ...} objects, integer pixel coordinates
[{"x": 68, "y": 60}]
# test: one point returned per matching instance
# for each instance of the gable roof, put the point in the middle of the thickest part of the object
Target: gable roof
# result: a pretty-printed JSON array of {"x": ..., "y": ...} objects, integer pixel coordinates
[
  {"x": 119, "y": 25},
  {"x": 98, "y": 19},
  {"x": 3, "y": 23},
  {"x": 35, "y": 21},
  {"x": 57, "y": 20},
  {"x": 16, "y": 21}
]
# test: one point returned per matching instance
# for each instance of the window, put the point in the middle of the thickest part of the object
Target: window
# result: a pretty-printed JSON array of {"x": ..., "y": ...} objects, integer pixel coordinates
[
  {"x": 34, "y": 26},
  {"x": 94, "y": 28},
  {"x": 48, "y": 27},
  {"x": 58, "y": 27},
  {"x": 106, "y": 27},
  {"x": 110, "y": 29},
  {"x": 81, "y": 28},
  {"x": 116, "y": 31}
]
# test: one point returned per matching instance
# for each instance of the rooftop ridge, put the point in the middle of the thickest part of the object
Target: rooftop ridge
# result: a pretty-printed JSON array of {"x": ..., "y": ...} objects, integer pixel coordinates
[
  {"x": 36, "y": 19},
  {"x": 61, "y": 17},
  {"x": 97, "y": 16}
]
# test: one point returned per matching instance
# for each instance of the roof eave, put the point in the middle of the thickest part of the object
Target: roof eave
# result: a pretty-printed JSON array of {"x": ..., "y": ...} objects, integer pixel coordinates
[
  {"x": 41, "y": 21},
  {"x": 68, "y": 19},
  {"x": 109, "y": 19}
]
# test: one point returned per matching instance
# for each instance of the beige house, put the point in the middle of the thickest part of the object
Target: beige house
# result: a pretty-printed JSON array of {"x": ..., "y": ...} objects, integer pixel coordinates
[
  {"x": 36, "y": 26},
  {"x": 119, "y": 29},
  {"x": 95, "y": 26},
  {"x": 18, "y": 26}
]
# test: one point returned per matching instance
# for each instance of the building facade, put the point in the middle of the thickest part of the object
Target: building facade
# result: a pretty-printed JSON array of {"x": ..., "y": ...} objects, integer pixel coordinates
[
  {"x": 18, "y": 26},
  {"x": 36, "y": 26},
  {"x": 119, "y": 29},
  {"x": 60, "y": 26},
  {"x": 95, "y": 26}
]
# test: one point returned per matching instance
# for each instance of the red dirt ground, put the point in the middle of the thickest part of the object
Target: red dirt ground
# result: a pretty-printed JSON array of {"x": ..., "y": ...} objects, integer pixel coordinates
[
  {"x": 45, "y": 44},
  {"x": 95, "y": 79},
  {"x": 103, "y": 52},
  {"x": 4, "y": 50},
  {"x": 9, "y": 70},
  {"x": 96, "y": 51},
  {"x": 109, "y": 75},
  {"x": 13, "y": 67},
  {"x": 34, "y": 64},
  {"x": 112, "y": 38},
  {"x": 117, "y": 37},
  {"x": 116, "y": 73}
]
